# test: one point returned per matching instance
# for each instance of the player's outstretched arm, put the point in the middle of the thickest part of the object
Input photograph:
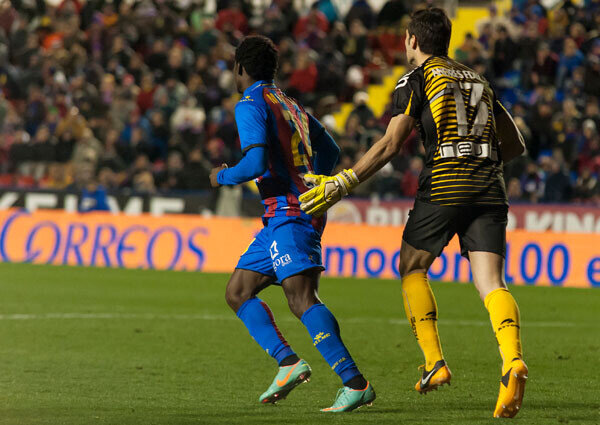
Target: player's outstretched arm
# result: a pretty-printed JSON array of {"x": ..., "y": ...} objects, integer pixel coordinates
[
  {"x": 330, "y": 190},
  {"x": 252, "y": 165},
  {"x": 251, "y": 120},
  {"x": 512, "y": 144}
]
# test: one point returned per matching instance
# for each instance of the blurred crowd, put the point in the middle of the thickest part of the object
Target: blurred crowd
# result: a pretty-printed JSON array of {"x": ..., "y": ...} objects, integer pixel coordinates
[
  {"x": 139, "y": 95},
  {"x": 545, "y": 67}
]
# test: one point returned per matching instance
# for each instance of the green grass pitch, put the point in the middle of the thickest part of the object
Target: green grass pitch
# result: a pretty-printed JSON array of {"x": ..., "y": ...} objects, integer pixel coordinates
[{"x": 110, "y": 346}]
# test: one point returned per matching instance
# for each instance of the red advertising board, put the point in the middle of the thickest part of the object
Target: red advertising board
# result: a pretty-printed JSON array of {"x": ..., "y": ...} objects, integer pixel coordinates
[{"x": 531, "y": 217}]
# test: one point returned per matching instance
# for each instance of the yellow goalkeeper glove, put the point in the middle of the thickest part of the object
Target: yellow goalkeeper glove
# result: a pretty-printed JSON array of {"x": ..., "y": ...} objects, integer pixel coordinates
[{"x": 327, "y": 191}]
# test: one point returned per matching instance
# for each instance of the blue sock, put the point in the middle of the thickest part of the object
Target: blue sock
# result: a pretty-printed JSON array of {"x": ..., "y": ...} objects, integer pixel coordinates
[
  {"x": 325, "y": 332},
  {"x": 258, "y": 318}
]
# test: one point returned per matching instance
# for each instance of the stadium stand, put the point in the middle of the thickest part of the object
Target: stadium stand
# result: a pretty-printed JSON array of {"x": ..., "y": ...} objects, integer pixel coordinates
[{"x": 138, "y": 96}]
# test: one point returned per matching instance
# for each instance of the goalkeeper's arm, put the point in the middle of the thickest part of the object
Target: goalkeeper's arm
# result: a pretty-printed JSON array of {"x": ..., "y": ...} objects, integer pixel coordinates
[{"x": 329, "y": 190}]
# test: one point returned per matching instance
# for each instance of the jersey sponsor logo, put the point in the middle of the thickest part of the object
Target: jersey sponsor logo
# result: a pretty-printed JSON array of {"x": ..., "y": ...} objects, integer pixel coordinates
[
  {"x": 282, "y": 261},
  {"x": 246, "y": 99},
  {"x": 460, "y": 149}
]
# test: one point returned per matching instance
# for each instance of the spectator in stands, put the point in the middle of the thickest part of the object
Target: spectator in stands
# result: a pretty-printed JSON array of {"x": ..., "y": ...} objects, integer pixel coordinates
[
  {"x": 513, "y": 190},
  {"x": 504, "y": 52},
  {"x": 592, "y": 70},
  {"x": 196, "y": 172},
  {"x": 543, "y": 72},
  {"x": 20, "y": 153},
  {"x": 392, "y": 13},
  {"x": 496, "y": 22},
  {"x": 356, "y": 44},
  {"x": 557, "y": 186},
  {"x": 93, "y": 198},
  {"x": 232, "y": 19},
  {"x": 143, "y": 182},
  {"x": 43, "y": 151},
  {"x": 410, "y": 180},
  {"x": 328, "y": 9},
  {"x": 362, "y": 110},
  {"x": 532, "y": 183},
  {"x": 304, "y": 77},
  {"x": 543, "y": 135},
  {"x": 312, "y": 27},
  {"x": 464, "y": 53},
  {"x": 58, "y": 177},
  {"x": 570, "y": 59},
  {"x": 586, "y": 186},
  {"x": 362, "y": 11},
  {"x": 171, "y": 177}
]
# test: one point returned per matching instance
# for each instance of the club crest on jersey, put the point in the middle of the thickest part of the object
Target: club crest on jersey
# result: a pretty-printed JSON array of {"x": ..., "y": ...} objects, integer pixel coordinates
[{"x": 273, "y": 250}]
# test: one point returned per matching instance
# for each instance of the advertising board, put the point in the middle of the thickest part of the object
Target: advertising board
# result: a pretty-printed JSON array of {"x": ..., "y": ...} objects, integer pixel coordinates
[{"x": 196, "y": 243}]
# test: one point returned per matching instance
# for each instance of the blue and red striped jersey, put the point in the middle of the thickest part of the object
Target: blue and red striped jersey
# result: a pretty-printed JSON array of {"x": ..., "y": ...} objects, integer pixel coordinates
[{"x": 266, "y": 118}]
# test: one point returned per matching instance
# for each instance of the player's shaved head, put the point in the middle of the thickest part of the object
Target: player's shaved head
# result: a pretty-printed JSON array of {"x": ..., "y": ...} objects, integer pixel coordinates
[
  {"x": 432, "y": 29},
  {"x": 258, "y": 56}
]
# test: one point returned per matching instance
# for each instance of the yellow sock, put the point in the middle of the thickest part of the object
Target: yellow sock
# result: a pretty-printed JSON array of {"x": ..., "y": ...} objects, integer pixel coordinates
[
  {"x": 421, "y": 311},
  {"x": 506, "y": 321}
]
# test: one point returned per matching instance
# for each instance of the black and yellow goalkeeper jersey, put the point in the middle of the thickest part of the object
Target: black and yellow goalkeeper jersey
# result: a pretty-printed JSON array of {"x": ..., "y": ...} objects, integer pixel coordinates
[{"x": 455, "y": 109}]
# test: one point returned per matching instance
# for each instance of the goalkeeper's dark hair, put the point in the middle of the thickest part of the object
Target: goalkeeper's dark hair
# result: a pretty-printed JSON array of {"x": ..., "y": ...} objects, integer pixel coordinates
[
  {"x": 259, "y": 56},
  {"x": 433, "y": 29}
]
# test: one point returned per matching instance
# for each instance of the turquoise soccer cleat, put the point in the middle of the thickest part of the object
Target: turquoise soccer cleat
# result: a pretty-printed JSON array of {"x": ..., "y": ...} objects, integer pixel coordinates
[
  {"x": 348, "y": 399},
  {"x": 288, "y": 378}
]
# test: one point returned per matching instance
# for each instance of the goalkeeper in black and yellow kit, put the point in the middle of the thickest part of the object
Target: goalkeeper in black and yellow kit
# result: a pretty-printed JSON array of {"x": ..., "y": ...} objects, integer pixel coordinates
[{"x": 467, "y": 135}]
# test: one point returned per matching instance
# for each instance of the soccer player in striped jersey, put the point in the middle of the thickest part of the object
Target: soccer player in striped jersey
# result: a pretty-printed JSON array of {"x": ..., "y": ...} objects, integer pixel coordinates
[
  {"x": 467, "y": 135},
  {"x": 280, "y": 142}
]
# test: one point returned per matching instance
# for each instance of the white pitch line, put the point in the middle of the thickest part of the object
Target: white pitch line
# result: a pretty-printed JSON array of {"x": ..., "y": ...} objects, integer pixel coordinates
[{"x": 216, "y": 317}]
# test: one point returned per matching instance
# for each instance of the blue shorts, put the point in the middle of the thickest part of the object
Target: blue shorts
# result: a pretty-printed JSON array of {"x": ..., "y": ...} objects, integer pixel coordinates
[{"x": 285, "y": 247}]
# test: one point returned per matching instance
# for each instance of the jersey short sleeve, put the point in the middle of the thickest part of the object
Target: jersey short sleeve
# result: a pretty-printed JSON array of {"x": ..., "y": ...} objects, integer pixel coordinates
[
  {"x": 251, "y": 120},
  {"x": 408, "y": 95}
]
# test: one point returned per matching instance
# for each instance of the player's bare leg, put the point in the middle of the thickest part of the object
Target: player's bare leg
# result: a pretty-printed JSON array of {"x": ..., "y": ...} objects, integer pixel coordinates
[
  {"x": 240, "y": 294},
  {"x": 421, "y": 311},
  {"x": 488, "y": 272},
  {"x": 243, "y": 285},
  {"x": 301, "y": 291},
  {"x": 488, "y": 276}
]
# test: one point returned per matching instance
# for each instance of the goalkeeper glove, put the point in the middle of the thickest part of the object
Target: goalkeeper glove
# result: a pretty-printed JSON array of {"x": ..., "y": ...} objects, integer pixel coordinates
[{"x": 327, "y": 191}]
